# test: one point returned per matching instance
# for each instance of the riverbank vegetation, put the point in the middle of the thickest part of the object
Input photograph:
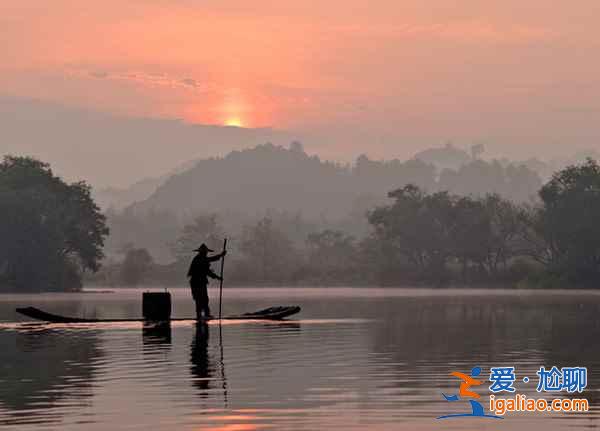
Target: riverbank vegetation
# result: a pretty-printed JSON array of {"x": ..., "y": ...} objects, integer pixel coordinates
[
  {"x": 51, "y": 232},
  {"x": 415, "y": 238},
  {"x": 53, "y": 237}
]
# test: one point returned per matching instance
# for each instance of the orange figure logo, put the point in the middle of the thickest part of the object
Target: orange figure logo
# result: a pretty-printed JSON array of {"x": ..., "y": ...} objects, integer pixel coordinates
[
  {"x": 467, "y": 382},
  {"x": 465, "y": 392}
]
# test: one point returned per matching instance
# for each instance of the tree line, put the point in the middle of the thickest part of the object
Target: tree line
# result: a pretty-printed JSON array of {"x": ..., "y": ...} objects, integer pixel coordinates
[
  {"x": 418, "y": 238},
  {"x": 53, "y": 236},
  {"x": 300, "y": 193}
]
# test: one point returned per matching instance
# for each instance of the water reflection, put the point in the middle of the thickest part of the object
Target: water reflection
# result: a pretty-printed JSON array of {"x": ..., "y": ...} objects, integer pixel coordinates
[
  {"x": 418, "y": 342},
  {"x": 156, "y": 336},
  {"x": 202, "y": 367},
  {"x": 354, "y": 363},
  {"x": 44, "y": 368}
]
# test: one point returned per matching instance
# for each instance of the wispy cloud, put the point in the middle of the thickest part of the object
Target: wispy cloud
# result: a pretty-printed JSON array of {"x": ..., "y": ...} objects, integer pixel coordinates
[{"x": 147, "y": 79}]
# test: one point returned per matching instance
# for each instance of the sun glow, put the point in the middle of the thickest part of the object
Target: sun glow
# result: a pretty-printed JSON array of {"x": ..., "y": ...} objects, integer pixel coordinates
[{"x": 234, "y": 122}]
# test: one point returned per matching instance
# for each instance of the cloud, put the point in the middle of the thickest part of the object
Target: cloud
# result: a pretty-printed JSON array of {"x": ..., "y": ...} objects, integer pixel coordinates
[
  {"x": 98, "y": 74},
  {"x": 189, "y": 82},
  {"x": 148, "y": 79}
]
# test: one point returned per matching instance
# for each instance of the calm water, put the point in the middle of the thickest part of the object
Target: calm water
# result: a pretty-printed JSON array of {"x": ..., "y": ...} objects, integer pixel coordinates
[{"x": 353, "y": 359}]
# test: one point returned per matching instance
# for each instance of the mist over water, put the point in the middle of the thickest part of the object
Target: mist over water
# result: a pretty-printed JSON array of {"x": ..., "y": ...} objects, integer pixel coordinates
[{"x": 353, "y": 359}]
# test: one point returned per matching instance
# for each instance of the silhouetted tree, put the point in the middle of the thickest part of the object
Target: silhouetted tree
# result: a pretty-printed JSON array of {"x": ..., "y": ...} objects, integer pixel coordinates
[
  {"x": 472, "y": 236},
  {"x": 51, "y": 231},
  {"x": 567, "y": 221},
  {"x": 435, "y": 231},
  {"x": 419, "y": 226},
  {"x": 506, "y": 231}
]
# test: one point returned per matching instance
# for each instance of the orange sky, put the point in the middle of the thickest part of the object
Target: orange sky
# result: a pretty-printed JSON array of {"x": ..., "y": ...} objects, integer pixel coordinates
[{"x": 507, "y": 72}]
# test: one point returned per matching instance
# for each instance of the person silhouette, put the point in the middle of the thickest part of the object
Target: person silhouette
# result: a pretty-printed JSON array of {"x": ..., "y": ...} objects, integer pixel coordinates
[{"x": 198, "y": 275}]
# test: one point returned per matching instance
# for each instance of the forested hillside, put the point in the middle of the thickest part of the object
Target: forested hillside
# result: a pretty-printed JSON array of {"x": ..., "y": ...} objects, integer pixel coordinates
[{"x": 288, "y": 179}]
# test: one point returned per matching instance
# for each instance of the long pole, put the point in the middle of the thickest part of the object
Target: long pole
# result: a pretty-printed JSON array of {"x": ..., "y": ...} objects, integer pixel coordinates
[{"x": 221, "y": 281}]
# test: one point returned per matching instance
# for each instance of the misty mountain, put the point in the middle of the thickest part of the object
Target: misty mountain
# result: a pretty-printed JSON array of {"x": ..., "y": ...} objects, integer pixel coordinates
[
  {"x": 273, "y": 177},
  {"x": 253, "y": 181},
  {"x": 446, "y": 157},
  {"x": 455, "y": 158},
  {"x": 119, "y": 198}
]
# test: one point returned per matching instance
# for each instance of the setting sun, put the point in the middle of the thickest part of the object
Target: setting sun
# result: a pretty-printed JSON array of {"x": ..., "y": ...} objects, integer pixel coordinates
[{"x": 234, "y": 122}]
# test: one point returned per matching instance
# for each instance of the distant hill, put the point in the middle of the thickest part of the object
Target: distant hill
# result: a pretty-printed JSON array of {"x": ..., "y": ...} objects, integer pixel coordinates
[
  {"x": 119, "y": 198},
  {"x": 446, "y": 157},
  {"x": 255, "y": 180},
  {"x": 273, "y": 177}
]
